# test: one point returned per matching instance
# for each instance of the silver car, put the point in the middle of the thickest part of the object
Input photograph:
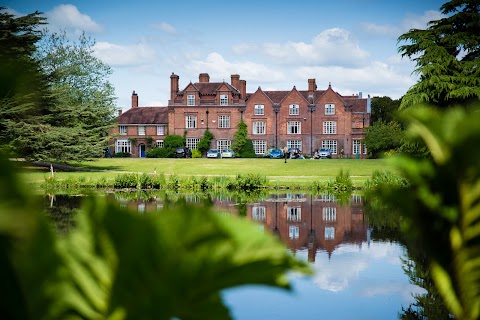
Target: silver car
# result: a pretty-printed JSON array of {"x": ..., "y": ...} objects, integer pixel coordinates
[
  {"x": 213, "y": 153},
  {"x": 324, "y": 153},
  {"x": 228, "y": 153}
]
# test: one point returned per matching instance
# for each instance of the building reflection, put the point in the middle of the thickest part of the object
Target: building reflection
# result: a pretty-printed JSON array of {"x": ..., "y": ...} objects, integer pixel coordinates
[
  {"x": 304, "y": 221},
  {"x": 301, "y": 221}
]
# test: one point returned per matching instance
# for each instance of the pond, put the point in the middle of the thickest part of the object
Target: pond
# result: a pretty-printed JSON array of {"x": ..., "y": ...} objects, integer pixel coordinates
[{"x": 362, "y": 269}]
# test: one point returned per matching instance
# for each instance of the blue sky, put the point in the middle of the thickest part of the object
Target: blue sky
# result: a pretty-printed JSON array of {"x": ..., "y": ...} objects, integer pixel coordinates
[{"x": 272, "y": 44}]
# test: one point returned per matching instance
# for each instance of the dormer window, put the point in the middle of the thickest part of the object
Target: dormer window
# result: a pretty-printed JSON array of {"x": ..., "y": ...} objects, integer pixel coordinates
[
  {"x": 190, "y": 100},
  {"x": 329, "y": 109},
  {"x": 294, "y": 109},
  {"x": 224, "y": 99}
]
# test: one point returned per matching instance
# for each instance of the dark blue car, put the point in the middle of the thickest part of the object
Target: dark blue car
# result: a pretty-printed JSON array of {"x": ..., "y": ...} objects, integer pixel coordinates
[{"x": 276, "y": 153}]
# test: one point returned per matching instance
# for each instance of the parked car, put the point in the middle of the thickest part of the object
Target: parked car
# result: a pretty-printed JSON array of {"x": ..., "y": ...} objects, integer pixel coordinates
[
  {"x": 183, "y": 153},
  {"x": 228, "y": 153},
  {"x": 267, "y": 153},
  {"x": 324, "y": 153},
  {"x": 213, "y": 153},
  {"x": 293, "y": 153},
  {"x": 276, "y": 154}
]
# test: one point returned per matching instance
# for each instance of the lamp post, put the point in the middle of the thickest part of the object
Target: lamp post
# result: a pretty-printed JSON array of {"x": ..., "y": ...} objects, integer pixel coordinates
[{"x": 311, "y": 108}]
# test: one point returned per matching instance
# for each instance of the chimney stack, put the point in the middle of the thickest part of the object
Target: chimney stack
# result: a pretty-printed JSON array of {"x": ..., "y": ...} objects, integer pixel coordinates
[
  {"x": 173, "y": 86},
  {"x": 134, "y": 100},
  {"x": 311, "y": 87},
  {"x": 243, "y": 89},
  {"x": 204, "y": 77},
  {"x": 235, "y": 81}
]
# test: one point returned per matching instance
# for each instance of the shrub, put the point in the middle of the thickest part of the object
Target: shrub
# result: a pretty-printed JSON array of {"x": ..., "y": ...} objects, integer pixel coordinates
[
  {"x": 126, "y": 180},
  {"x": 122, "y": 155},
  {"x": 196, "y": 154},
  {"x": 247, "y": 183},
  {"x": 158, "y": 153},
  {"x": 145, "y": 181}
]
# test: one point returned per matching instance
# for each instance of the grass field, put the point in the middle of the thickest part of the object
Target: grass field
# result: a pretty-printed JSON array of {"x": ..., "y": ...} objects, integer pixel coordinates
[{"x": 276, "y": 170}]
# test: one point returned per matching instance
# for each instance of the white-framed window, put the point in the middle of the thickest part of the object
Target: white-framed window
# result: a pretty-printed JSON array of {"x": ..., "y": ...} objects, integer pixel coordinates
[
  {"x": 294, "y": 144},
  {"x": 325, "y": 197},
  {"x": 192, "y": 143},
  {"x": 329, "y": 127},
  {"x": 122, "y": 130},
  {"x": 329, "y": 109},
  {"x": 259, "y": 110},
  {"x": 223, "y": 144},
  {"x": 159, "y": 143},
  {"x": 329, "y": 214},
  {"x": 364, "y": 148},
  {"x": 330, "y": 144},
  {"x": 160, "y": 130},
  {"x": 294, "y": 109},
  {"x": 224, "y": 99},
  {"x": 141, "y": 130},
  {"x": 329, "y": 233},
  {"x": 259, "y": 213},
  {"x": 191, "y": 122},
  {"x": 190, "y": 100},
  {"x": 258, "y": 127},
  {"x": 294, "y": 214},
  {"x": 294, "y": 127},
  {"x": 260, "y": 146},
  {"x": 123, "y": 145},
  {"x": 224, "y": 122},
  {"x": 356, "y": 198},
  {"x": 293, "y": 232},
  {"x": 356, "y": 146}
]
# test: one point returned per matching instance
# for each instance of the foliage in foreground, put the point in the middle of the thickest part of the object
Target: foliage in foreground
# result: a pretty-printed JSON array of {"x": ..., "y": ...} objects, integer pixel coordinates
[
  {"x": 171, "y": 265},
  {"x": 441, "y": 205}
]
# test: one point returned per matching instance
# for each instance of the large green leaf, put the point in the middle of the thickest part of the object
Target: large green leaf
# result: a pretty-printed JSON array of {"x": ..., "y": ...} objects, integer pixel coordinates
[
  {"x": 119, "y": 265},
  {"x": 442, "y": 204}
]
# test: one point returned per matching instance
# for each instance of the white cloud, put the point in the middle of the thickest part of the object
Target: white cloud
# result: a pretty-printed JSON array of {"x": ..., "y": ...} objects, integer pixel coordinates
[
  {"x": 330, "y": 47},
  {"x": 165, "y": 27},
  {"x": 411, "y": 21},
  {"x": 216, "y": 65},
  {"x": 118, "y": 55},
  {"x": 67, "y": 16}
]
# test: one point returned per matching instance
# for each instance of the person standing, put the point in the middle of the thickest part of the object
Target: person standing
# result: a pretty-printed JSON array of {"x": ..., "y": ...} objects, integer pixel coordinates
[{"x": 285, "y": 153}]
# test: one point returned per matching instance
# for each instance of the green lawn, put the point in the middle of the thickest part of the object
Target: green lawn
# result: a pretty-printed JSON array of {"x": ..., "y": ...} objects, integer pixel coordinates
[{"x": 276, "y": 170}]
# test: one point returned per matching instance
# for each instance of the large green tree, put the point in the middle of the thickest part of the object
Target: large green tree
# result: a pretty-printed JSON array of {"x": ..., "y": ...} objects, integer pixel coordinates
[
  {"x": 56, "y": 100},
  {"x": 384, "y": 109},
  {"x": 447, "y": 55},
  {"x": 22, "y": 85}
]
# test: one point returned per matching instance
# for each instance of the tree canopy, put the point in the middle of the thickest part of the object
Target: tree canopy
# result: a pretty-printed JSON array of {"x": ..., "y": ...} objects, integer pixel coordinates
[
  {"x": 57, "y": 102},
  {"x": 447, "y": 56}
]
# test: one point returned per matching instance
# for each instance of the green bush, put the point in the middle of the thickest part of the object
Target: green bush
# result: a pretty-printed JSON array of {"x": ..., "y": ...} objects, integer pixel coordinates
[
  {"x": 196, "y": 153},
  {"x": 247, "y": 183},
  {"x": 122, "y": 155},
  {"x": 158, "y": 153},
  {"x": 126, "y": 180},
  {"x": 145, "y": 181}
]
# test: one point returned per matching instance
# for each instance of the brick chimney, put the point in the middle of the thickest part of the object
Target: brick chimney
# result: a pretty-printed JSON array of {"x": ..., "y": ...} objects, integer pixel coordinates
[
  {"x": 311, "y": 87},
  {"x": 235, "y": 81},
  {"x": 134, "y": 100},
  {"x": 173, "y": 86},
  {"x": 204, "y": 77},
  {"x": 243, "y": 89}
]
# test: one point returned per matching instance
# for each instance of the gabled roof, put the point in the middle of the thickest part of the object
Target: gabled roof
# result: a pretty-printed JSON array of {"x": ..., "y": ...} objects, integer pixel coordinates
[
  {"x": 209, "y": 88},
  {"x": 276, "y": 96},
  {"x": 357, "y": 104},
  {"x": 144, "y": 115}
]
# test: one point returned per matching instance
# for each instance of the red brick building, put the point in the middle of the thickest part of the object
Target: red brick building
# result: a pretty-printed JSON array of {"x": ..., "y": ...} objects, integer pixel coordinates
[{"x": 306, "y": 119}]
